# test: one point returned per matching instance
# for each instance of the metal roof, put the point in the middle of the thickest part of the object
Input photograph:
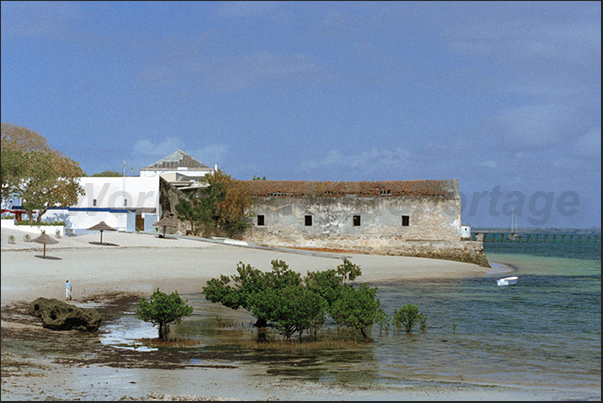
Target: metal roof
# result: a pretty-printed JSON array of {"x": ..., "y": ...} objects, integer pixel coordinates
[{"x": 178, "y": 159}]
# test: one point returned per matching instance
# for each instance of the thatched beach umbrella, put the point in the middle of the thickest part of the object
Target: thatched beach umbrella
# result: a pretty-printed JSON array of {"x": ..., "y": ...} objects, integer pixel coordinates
[
  {"x": 45, "y": 240},
  {"x": 101, "y": 226},
  {"x": 164, "y": 222}
]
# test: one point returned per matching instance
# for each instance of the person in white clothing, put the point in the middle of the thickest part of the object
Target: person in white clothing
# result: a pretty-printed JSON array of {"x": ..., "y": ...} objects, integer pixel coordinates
[{"x": 67, "y": 289}]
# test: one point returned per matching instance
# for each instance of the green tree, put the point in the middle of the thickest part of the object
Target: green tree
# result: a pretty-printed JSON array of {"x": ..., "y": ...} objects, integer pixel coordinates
[
  {"x": 348, "y": 270},
  {"x": 357, "y": 308},
  {"x": 383, "y": 319},
  {"x": 222, "y": 209},
  {"x": 407, "y": 316},
  {"x": 15, "y": 137},
  {"x": 327, "y": 284},
  {"x": 290, "y": 308},
  {"x": 240, "y": 294},
  {"x": 108, "y": 174},
  {"x": 162, "y": 310},
  {"x": 277, "y": 298},
  {"x": 16, "y": 143},
  {"x": 14, "y": 169},
  {"x": 228, "y": 200},
  {"x": 52, "y": 180},
  {"x": 32, "y": 170},
  {"x": 281, "y": 298},
  {"x": 193, "y": 212}
]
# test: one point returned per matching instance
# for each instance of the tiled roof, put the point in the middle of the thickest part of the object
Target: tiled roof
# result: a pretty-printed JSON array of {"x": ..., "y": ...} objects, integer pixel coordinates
[
  {"x": 447, "y": 189},
  {"x": 176, "y": 160}
]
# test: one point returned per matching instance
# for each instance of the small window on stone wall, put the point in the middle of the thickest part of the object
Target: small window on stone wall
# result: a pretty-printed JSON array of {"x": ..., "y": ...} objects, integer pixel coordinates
[
  {"x": 261, "y": 220},
  {"x": 405, "y": 221},
  {"x": 356, "y": 221},
  {"x": 94, "y": 202},
  {"x": 308, "y": 220}
]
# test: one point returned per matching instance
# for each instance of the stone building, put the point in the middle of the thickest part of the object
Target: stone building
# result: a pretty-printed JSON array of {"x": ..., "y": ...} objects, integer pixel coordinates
[{"x": 414, "y": 218}]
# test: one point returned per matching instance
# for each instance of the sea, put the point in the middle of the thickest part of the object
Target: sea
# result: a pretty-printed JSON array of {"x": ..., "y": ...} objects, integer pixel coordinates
[{"x": 542, "y": 334}]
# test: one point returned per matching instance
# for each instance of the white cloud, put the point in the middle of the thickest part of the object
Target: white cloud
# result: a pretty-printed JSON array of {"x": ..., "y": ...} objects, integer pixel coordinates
[
  {"x": 223, "y": 74},
  {"x": 366, "y": 160},
  {"x": 490, "y": 164},
  {"x": 162, "y": 149},
  {"x": 232, "y": 74},
  {"x": 212, "y": 154},
  {"x": 537, "y": 126},
  {"x": 573, "y": 39}
]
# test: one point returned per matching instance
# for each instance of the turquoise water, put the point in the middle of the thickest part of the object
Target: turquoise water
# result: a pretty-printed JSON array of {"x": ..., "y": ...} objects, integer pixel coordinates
[{"x": 544, "y": 332}]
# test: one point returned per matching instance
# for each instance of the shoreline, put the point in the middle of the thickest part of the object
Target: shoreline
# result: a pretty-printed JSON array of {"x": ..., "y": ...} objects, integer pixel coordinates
[{"x": 142, "y": 263}]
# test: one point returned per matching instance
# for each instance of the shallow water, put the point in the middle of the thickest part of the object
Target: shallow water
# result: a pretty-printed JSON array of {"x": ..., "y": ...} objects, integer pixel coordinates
[{"x": 544, "y": 332}]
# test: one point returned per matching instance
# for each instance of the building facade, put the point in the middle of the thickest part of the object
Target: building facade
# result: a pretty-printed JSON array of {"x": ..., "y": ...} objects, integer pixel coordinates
[
  {"x": 124, "y": 203},
  {"x": 414, "y": 218},
  {"x": 408, "y": 210}
]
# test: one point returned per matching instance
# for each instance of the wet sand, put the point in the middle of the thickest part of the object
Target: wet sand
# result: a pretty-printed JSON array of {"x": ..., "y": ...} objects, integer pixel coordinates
[{"x": 39, "y": 364}]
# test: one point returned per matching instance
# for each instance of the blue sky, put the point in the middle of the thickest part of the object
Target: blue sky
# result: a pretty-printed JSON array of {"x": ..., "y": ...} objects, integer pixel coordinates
[{"x": 504, "y": 96}]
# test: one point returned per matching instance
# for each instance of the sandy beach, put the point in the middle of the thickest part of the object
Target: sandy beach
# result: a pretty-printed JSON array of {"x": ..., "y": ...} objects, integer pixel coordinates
[
  {"x": 143, "y": 262},
  {"x": 136, "y": 264}
]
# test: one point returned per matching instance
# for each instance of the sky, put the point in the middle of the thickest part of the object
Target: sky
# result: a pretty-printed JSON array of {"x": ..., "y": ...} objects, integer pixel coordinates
[{"x": 503, "y": 96}]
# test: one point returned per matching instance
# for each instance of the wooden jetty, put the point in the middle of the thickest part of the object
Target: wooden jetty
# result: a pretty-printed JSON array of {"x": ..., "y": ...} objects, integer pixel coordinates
[{"x": 538, "y": 237}]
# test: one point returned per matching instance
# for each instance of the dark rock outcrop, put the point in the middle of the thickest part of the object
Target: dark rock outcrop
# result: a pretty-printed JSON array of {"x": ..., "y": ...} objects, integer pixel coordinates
[{"x": 58, "y": 315}]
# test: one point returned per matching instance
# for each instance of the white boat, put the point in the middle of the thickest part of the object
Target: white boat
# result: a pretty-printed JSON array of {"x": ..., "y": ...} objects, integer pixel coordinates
[
  {"x": 507, "y": 280},
  {"x": 513, "y": 234}
]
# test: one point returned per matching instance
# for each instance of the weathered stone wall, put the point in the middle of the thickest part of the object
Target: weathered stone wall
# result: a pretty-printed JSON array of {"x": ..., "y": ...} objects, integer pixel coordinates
[
  {"x": 430, "y": 218},
  {"x": 168, "y": 199},
  {"x": 433, "y": 231},
  {"x": 460, "y": 250}
]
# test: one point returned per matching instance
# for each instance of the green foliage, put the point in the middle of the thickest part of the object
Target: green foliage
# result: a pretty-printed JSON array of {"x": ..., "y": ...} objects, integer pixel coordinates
[
  {"x": 326, "y": 283},
  {"x": 32, "y": 170},
  {"x": 257, "y": 178},
  {"x": 163, "y": 309},
  {"x": 108, "y": 174},
  {"x": 348, "y": 270},
  {"x": 222, "y": 210},
  {"x": 357, "y": 308},
  {"x": 14, "y": 168},
  {"x": 383, "y": 320},
  {"x": 40, "y": 223},
  {"x": 407, "y": 316},
  {"x": 290, "y": 308},
  {"x": 194, "y": 212},
  {"x": 282, "y": 299}
]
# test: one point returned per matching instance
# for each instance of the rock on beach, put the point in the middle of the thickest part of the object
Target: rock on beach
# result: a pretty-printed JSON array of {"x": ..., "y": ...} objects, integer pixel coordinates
[{"x": 58, "y": 315}]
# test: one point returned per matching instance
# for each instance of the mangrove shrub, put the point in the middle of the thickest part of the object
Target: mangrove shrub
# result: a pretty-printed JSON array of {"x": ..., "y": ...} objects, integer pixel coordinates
[
  {"x": 283, "y": 300},
  {"x": 163, "y": 309},
  {"x": 407, "y": 316}
]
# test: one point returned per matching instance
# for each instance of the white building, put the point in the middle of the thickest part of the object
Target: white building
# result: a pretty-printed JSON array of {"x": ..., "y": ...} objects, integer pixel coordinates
[
  {"x": 124, "y": 203},
  {"x": 179, "y": 169}
]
